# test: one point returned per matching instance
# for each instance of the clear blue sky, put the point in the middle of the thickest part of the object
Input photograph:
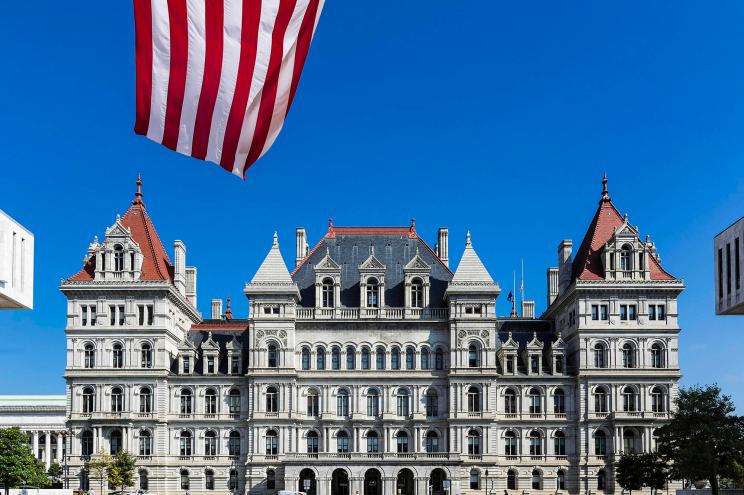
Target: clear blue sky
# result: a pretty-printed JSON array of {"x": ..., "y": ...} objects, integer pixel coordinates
[{"x": 498, "y": 117}]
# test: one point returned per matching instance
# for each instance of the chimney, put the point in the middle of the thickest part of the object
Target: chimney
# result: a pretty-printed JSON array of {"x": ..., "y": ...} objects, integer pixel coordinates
[
  {"x": 552, "y": 285},
  {"x": 191, "y": 285},
  {"x": 216, "y": 309},
  {"x": 564, "y": 264},
  {"x": 528, "y": 309},
  {"x": 300, "y": 245},
  {"x": 443, "y": 244},
  {"x": 179, "y": 266}
]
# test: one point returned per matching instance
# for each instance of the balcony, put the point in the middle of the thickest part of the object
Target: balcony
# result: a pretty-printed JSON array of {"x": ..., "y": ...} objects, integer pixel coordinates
[
  {"x": 372, "y": 313},
  {"x": 365, "y": 456}
]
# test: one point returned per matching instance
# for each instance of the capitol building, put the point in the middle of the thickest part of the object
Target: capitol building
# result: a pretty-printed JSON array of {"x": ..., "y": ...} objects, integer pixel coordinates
[{"x": 369, "y": 366}]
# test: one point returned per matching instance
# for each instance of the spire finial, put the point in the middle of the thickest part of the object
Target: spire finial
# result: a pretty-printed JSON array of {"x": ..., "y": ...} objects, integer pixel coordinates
[
  {"x": 228, "y": 310},
  {"x": 467, "y": 239},
  {"x": 413, "y": 224},
  {"x": 330, "y": 222},
  {"x": 371, "y": 249},
  {"x": 138, "y": 195},
  {"x": 276, "y": 239},
  {"x": 605, "y": 193}
]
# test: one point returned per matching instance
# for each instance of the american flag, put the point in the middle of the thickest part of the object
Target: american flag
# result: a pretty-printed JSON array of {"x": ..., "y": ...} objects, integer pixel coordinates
[{"x": 216, "y": 78}]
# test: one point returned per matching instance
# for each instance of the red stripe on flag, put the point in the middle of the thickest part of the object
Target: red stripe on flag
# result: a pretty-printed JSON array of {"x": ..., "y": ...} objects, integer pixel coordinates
[
  {"x": 246, "y": 65},
  {"x": 304, "y": 37},
  {"x": 268, "y": 98},
  {"x": 214, "y": 19},
  {"x": 179, "y": 53},
  {"x": 143, "y": 63}
]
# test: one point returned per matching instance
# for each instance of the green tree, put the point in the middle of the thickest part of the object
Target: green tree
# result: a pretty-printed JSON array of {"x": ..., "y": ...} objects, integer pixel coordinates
[
  {"x": 629, "y": 471},
  {"x": 704, "y": 439},
  {"x": 655, "y": 471},
  {"x": 18, "y": 466},
  {"x": 121, "y": 470},
  {"x": 55, "y": 472},
  {"x": 97, "y": 467}
]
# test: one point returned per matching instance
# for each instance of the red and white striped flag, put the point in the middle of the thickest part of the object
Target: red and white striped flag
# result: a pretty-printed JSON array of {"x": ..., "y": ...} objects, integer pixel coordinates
[{"x": 216, "y": 78}]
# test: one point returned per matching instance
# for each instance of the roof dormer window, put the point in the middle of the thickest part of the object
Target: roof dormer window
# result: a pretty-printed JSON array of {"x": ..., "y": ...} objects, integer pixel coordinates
[
  {"x": 326, "y": 291},
  {"x": 625, "y": 258},
  {"x": 118, "y": 258},
  {"x": 373, "y": 293}
]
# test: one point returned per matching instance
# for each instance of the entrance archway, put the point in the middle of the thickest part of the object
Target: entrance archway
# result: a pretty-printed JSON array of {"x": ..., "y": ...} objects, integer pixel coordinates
[
  {"x": 436, "y": 481},
  {"x": 372, "y": 482},
  {"x": 309, "y": 487},
  {"x": 340, "y": 482},
  {"x": 404, "y": 483}
]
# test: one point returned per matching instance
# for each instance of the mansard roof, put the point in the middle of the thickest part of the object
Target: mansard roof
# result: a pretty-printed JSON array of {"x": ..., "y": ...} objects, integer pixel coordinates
[
  {"x": 394, "y": 247},
  {"x": 587, "y": 264},
  {"x": 155, "y": 262}
]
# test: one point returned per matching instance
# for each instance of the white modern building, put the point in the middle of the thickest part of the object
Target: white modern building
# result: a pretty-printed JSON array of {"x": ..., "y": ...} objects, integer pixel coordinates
[
  {"x": 43, "y": 419},
  {"x": 728, "y": 252},
  {"x": 16, "y": 265},
  {"x": 372, "y": 367}
]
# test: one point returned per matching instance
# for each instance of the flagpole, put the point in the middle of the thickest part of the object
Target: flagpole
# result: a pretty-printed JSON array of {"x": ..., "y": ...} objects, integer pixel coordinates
[{"x": 514, "y": 297}]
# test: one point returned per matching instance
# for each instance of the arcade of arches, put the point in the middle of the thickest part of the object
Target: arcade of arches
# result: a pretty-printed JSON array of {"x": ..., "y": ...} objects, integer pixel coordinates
[{"x": 372, "y": 481}]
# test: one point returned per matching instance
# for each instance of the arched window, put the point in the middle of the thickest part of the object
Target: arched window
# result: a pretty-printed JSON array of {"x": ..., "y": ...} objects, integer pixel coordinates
[
  {"x": 535, "y": 443},
  {"x": 146, "y": 356},
  {"x": 629, "y": 439},
  {"x": 117, "y": 400},
  {"x": 365, "y": 358},
  {"x": 342, "y": 442},
  {"x": 272, "y": 400},
  {"x": 89, "y": 355},
  {"x": 474, "y": 479},
  {"x": 270, "y": 479},
  {"x": 342, "y": 403},
  {"x": 326, "y": 290},
  {"x": 559, "y": 401},
  {"x": 117, "y": 356},
  {"x": 233, "y": 444},
  {"x": 510, "y": 402},
  {"x": 320, "y": 357},
  {"x": 373, "y": 402},
  {"x": 511, "y": 480},
  {"x": 432, "y": 442},
  {"x": 145, "y": 400},
  {"x": 510, "y": 444},
  {"x": 600, "y": 443},
  {"x": 560, "y": 480},
  {"x": 395, "y": 359},
  {"x": 86, "y": 443},
  {"x": 559, "y": 443},
  {"x": 425, "y": 363},
  {"x": 439, "y": 359},
  {"x": 658, "y": 404},
  {"x": 380, "y": 358},
  {"x": 312, "y": 442},
  {"x": 432, "y": 403},
  {"x": 628, "y": 351},
  {"x": 474, "y": 447},
  {"x": 536, "y": 479},
  {"x": 535, "y": 401},
  {"x": 629, "y": 400},
  {"x": 350, "y": 357},
  {"x": 373, "y": 442},
  {"x": 417, "y": 293},
  {"x": 410, "y": 358},
  {"x": 144, "y": 483},
  {"x": 118, "y": 258},
  {"x": 625, "y": 256},
  {"x": 233, "y": 401},
  {"x": 186, "y": 401},
  {"x": 273, "y": 356},
  {"x": 185, "y": 445},
  {"x": 474, "y": 399},
  {"x": 336, "y": 358},
  {"x": 305, "y": 358},
  {"x": 272, "y": 443},
  {"x": 600, "y": 400},
  {"x": 373, "y": 293},
  {"x": 403, "y": 402},
  {"x": 89, "y": 401},
  {"x": 210, "y": 401},
  {"x": 209, "y": 479},
  {"x": 184, "y": 479},
  {"x": 210, "y": 443},
  {"x": 657, "y": 356},
  {"x": 601, "y": 480},
  {"x": 401, "y": 441},
  {"x": 599, "y": 355},
  {"x": 313, "y": 403},
  {"x": 473, "y": 356}
]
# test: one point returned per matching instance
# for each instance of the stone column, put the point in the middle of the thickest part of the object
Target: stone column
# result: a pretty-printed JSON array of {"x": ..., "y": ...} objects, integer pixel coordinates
[
  {"x": 36, "y": 445},
  {"x": 59, "y": 448},
  {"x": 47, "y": 449}
]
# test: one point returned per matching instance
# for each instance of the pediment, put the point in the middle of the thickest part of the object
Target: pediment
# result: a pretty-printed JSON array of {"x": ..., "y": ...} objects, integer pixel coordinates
[
  {"x": 327, "y": 264},
  {"x": 234, "y": 344},
  {"x": 510, "y": 343},
  {"x": 535, "y": 343},
  {"x": 417, "y": 263},
  {"x": 372, "y": 264},
  {"x": 558, "y": 343},
  {"x": 118, "y": 229},
  {"x": 186, "y": 345},
  {"x": 209, "y": 343}
]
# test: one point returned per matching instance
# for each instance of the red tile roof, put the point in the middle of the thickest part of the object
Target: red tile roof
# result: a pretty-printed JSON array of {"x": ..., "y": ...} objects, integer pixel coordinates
[
  {"x": 155, "y": 263},
  {"x": 587, "y": 264},
  {"x": 219, "y": 325}
]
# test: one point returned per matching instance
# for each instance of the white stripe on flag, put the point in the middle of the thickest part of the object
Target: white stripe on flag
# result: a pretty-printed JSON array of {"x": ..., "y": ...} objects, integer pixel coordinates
[
  {"x": 160, "y": 69},
  {"x": 196, "y": 13},
  {"x": 229, "y": 75}
]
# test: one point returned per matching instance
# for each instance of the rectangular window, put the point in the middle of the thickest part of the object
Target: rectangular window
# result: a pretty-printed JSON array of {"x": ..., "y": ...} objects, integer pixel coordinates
[
  {"x": 468, "y": 310},
  {"x": 632, "y": 312},
  {"x": 720, "y": 273},
  {"x": 510, "y": 364},
  {"x": 141, "y": 315},
  {"x": 535, "y": 364},
  {"x": 186, "y": 365},
  {"x": 623, "y": 311},
  {"x": 661, "y": 312},
  {"x": 737, "y": 271},
  {"x": 112, "y": 315},
  {"x": 559, "y": 364},
  {"x": 651, "y": 312},
  {"x": 210, "y": 365},
  {"x": 235, "y": 365},
  {"x": 595, "y": 312},
  {"x": 84, "y": 311},
  {"x": 603, "y": 312},
  {"x": 122, "y": 316},
  {"x": 93, "y": 316},
  {"x": 150, "y": 314},
  {"x": 728, "y": 268}
]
